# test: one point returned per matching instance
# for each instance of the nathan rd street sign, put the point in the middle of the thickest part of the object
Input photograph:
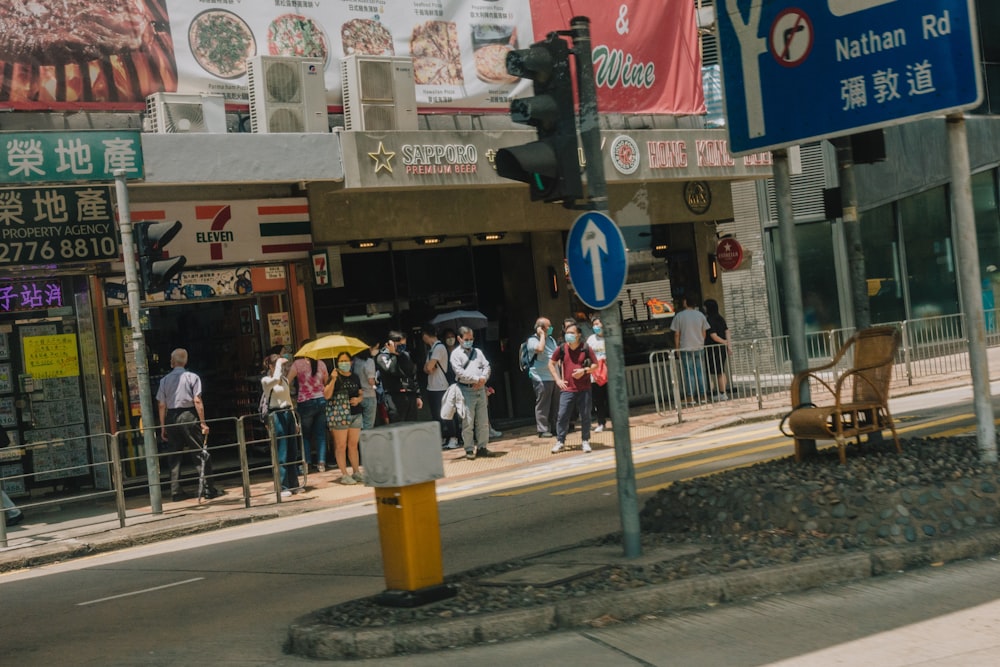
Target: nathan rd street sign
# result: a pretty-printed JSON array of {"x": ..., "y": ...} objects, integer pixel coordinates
[{"x": 803, "y": 70}]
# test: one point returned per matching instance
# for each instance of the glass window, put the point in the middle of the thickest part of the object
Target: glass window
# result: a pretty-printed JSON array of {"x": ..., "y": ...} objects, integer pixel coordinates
[
  {"x": 820, "y": 302},
  {"x": 984, "y": 202},
  {"x": 880, "y": 244},
  {"x": 930, "y": 260}
]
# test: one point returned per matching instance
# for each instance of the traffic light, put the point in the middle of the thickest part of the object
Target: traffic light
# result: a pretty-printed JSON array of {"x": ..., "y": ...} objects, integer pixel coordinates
[
  {"x": 550, "y": 166},
  {"x": 151, "y": 238}
]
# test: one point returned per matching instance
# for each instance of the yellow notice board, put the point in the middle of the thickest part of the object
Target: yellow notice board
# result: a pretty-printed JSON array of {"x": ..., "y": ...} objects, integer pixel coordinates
[{"x": 51, "y": 356}]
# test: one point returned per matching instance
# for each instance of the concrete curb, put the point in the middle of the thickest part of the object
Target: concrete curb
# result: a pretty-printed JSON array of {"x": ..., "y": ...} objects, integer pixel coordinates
[
  {"x": 310, "y": 637},
  {"x": 115, "y": 541}
]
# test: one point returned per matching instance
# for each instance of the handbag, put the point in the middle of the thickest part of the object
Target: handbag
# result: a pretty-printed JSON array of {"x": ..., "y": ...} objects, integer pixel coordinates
[
  {"x": 265, "y": 406},
  {"x": 600, "y": 373}
]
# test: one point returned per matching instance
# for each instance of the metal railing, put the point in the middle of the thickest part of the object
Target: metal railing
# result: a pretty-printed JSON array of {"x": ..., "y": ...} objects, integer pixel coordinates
[
  {"x": 120, "y": 465},
  {"x": 759, "y": 371}
]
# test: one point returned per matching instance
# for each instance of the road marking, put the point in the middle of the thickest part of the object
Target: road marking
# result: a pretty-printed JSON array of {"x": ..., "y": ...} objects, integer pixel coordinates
[{"x": 145, "y": 590}]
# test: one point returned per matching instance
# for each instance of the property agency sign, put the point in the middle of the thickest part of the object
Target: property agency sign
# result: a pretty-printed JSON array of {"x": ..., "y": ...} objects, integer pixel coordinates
[{"x": 802, "y": 70}]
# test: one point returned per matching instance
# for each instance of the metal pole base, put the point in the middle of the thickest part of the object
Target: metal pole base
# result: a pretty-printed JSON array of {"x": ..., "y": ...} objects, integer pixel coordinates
[{"x": 417, "y": 598}]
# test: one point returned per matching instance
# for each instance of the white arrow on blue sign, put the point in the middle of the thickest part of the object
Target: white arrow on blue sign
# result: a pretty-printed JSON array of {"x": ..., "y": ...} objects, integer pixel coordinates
[
  {"x": 802, "y": 70},
  {"x": 597, "y": 259}
]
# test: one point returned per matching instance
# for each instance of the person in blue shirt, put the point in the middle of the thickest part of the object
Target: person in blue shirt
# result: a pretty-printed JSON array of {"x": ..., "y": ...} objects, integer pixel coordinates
[{"x": 546, "y": 390}]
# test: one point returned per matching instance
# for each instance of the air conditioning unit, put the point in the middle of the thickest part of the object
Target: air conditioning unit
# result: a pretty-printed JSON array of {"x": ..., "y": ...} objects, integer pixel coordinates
[
  {"x": 379, "y": 93},
  {"x": 287, "y": 94},
  {"x": 176, "y": 113}
]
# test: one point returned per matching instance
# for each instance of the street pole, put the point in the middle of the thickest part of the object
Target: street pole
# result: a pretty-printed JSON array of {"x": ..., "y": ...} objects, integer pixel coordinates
[
  {"x": 792, "y": 280},
  {"x": 597, "y": 191},
  {"x": 852, "y": 233},
  {"x": 970, "y": 279},
  {"x": 147, "y": 421}
]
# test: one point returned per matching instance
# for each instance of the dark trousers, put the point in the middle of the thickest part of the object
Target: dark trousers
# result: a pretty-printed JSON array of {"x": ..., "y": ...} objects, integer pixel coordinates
[
  {"x": 570, "y": 402},
  {"x": 183, "y": 431},
  {"x": 599, "y": 394},
  {"x": 404, "y": 407}
]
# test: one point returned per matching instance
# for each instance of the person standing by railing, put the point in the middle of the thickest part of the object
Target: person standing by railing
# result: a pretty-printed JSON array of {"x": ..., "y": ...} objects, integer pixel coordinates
[
  {"x": 182, "y": 410},
  {"x": 689, "y": 327},
  {"x": 312, "y": 376},
  {"x": 281, "y": 420},
  {"x": 717, "y": 347}
]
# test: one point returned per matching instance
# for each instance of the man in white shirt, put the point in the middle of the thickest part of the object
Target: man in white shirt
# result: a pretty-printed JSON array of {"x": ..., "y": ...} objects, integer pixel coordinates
[
  {"x": 472, "y": 370},
  {"x": 690, "y": 326}
]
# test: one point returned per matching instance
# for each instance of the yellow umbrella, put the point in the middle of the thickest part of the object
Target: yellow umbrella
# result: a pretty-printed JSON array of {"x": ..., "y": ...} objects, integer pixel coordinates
[{"x": 328, "y": 347}]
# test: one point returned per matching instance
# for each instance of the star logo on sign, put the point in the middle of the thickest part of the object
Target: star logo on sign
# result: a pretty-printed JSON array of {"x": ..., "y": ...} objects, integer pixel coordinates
[{"x": 382, "y": 158}]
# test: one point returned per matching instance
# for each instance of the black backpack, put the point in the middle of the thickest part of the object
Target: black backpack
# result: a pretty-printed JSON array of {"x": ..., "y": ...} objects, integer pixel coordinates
[{"x": 526, "y": 357}]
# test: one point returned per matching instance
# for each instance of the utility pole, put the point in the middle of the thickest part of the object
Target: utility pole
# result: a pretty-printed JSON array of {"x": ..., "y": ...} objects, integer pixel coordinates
[
  {"x": 148, "y": 420},
  {"x": 597, "y": 191},
  {"x": 852, "y": 233}
]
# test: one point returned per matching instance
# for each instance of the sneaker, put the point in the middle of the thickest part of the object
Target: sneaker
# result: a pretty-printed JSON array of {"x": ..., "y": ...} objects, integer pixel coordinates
[
  {"x": 286, "y": 493},
  {"x": 321, "y": 467},
  {"x": 347, "y": 480},
  {"x": 359, "y": 477},
  {"x": 16, "y": 519},
  {"x": 556, "y": 448},
  {"x": 722, "y": 397},
  {"x": 495, "y": 433},
  {"x": 599, "y": 428},
  {"x": 545, "y": 434},
  {"x": 482, "y": 451},
  {"x": 471, "y": 455},
  {"x": 586, "y": 447},
  {"x": 451, "y": 444}
]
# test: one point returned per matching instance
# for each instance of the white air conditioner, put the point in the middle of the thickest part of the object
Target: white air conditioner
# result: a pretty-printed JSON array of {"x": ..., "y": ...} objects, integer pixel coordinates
[
  {"x": 176, "y": 113},
  {"x": 379, "y": 93},
  {"x": 287, "y": 94}
]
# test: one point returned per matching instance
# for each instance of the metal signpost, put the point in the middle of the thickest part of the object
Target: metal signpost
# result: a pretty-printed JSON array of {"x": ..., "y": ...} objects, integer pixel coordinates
[{"x": 802, "y": 70}]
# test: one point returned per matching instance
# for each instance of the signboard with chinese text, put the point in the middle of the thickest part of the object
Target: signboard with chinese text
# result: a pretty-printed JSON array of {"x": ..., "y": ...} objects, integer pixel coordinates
[
  {"x": 57, "y": 225},
  {"x": 50, "y": 356},
  {"x": 26, "y": 295},
  {"x": 52, "y": 157},
  {"x": 802, "y": 70}
]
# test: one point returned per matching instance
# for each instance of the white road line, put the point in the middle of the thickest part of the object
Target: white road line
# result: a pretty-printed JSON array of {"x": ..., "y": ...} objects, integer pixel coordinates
[{"x": 145, "y": 590}]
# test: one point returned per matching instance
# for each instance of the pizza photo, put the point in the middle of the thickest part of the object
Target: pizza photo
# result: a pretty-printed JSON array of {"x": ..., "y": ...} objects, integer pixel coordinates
[
  {"x": 437, "y": 58},
  {"x": 366, "y": 36},
  {"x": 491, "y": 64},
  {"x": 221, "y": 42},
  {"x": 56, "y": 32},
  {"x": 297, "y": 35}
]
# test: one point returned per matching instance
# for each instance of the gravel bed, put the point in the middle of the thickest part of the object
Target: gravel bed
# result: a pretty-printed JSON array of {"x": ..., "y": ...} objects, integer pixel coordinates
[{"x": 767, "y": 514}]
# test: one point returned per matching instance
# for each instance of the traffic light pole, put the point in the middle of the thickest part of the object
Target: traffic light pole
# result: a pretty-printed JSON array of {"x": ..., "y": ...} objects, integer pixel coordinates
[
  {"x": 148, "y": 421},
  {"x": 597, "y": 192}
]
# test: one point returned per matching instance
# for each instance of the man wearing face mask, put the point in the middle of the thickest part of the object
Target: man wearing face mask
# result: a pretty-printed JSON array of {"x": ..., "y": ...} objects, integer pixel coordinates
[
  {"x": 577, "y": 361},
  {"x": 472, "y": 370},
  {"x": 399, "y": 379},
  {"x": 543, "y": 345}
]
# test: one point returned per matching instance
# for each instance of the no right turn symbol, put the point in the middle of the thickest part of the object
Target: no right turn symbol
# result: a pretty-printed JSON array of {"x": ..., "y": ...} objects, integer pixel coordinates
[{"x": 791, "y": 37}]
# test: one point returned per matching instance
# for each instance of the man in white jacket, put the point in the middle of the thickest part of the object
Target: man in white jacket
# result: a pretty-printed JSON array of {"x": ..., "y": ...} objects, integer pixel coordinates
[{"x": 472, "y": 370}]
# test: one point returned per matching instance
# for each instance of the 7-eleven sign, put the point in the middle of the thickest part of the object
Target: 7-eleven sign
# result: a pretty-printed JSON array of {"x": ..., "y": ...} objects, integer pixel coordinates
[{"x": 321, "y": 268}]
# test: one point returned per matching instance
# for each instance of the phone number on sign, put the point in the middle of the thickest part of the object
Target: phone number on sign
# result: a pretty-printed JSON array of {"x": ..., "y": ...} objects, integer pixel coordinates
[{"x": 28, "y": 252}]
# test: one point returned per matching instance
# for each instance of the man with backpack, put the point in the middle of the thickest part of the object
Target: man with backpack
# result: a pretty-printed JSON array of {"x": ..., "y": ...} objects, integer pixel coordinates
[
  {"x": 439, "y": 377},
  {"x": 399, "y": 379},
  {"x": 538, "y": 349}
]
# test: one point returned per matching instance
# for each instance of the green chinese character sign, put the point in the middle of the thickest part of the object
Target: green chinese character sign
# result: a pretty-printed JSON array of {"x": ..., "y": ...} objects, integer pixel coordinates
[{"x": 54, "y": 157}]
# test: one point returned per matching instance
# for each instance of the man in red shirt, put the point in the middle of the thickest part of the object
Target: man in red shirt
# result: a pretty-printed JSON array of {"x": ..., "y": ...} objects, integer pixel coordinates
[{"x": 576, "y": 363}]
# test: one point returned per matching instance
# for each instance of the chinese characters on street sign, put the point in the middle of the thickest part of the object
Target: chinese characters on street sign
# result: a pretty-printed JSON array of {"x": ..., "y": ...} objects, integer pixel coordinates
[
  {"x": 49, "y": 157},
  {"x": 56, "y": 225},
  {"x": 38, "y": 294}
]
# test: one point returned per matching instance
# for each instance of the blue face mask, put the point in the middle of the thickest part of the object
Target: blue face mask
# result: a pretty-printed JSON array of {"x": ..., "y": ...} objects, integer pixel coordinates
[
  {"x": 400, "y": 347},
  {"x": 467, "y": 344},
  {"x": 570, "y": 338},
  {"x": 344, "y": 366},
  {"x": 598, "y": 329}
]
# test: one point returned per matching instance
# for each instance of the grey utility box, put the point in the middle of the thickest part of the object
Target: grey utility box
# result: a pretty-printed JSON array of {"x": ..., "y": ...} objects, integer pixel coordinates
[{"x": 402, "y": 454}]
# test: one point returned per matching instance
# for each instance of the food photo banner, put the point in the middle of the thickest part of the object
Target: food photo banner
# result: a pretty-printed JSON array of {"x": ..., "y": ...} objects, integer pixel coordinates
[{"x": 112, "y": 54}]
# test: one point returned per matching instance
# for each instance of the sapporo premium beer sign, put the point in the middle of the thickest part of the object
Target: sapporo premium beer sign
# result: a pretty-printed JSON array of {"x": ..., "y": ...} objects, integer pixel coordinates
[{"x": 56, "y": 225}]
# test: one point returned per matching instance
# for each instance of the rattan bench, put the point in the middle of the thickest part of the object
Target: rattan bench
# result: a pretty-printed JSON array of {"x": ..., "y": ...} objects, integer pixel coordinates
[{"x": 859, "y": 395}]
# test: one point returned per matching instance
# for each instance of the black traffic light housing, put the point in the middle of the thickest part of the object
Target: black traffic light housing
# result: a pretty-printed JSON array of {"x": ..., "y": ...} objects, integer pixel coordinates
[
  {"x": 151, "y": 238},
  {"x": 551, "y": 165}
]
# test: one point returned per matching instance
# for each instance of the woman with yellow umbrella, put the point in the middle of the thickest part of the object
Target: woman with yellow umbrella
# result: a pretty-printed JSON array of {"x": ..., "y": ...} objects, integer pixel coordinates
[{"x": 344, "y": 414}]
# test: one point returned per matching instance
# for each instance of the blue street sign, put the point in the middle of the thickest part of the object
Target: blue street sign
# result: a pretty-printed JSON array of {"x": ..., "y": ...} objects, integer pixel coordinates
[
  {"x": 597, "y": 258},
  {"x": 802, "y": 70}
]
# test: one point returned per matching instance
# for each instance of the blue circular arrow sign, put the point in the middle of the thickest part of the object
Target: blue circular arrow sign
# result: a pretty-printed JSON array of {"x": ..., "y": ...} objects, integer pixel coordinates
[{"x": 597, "y": 258}]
